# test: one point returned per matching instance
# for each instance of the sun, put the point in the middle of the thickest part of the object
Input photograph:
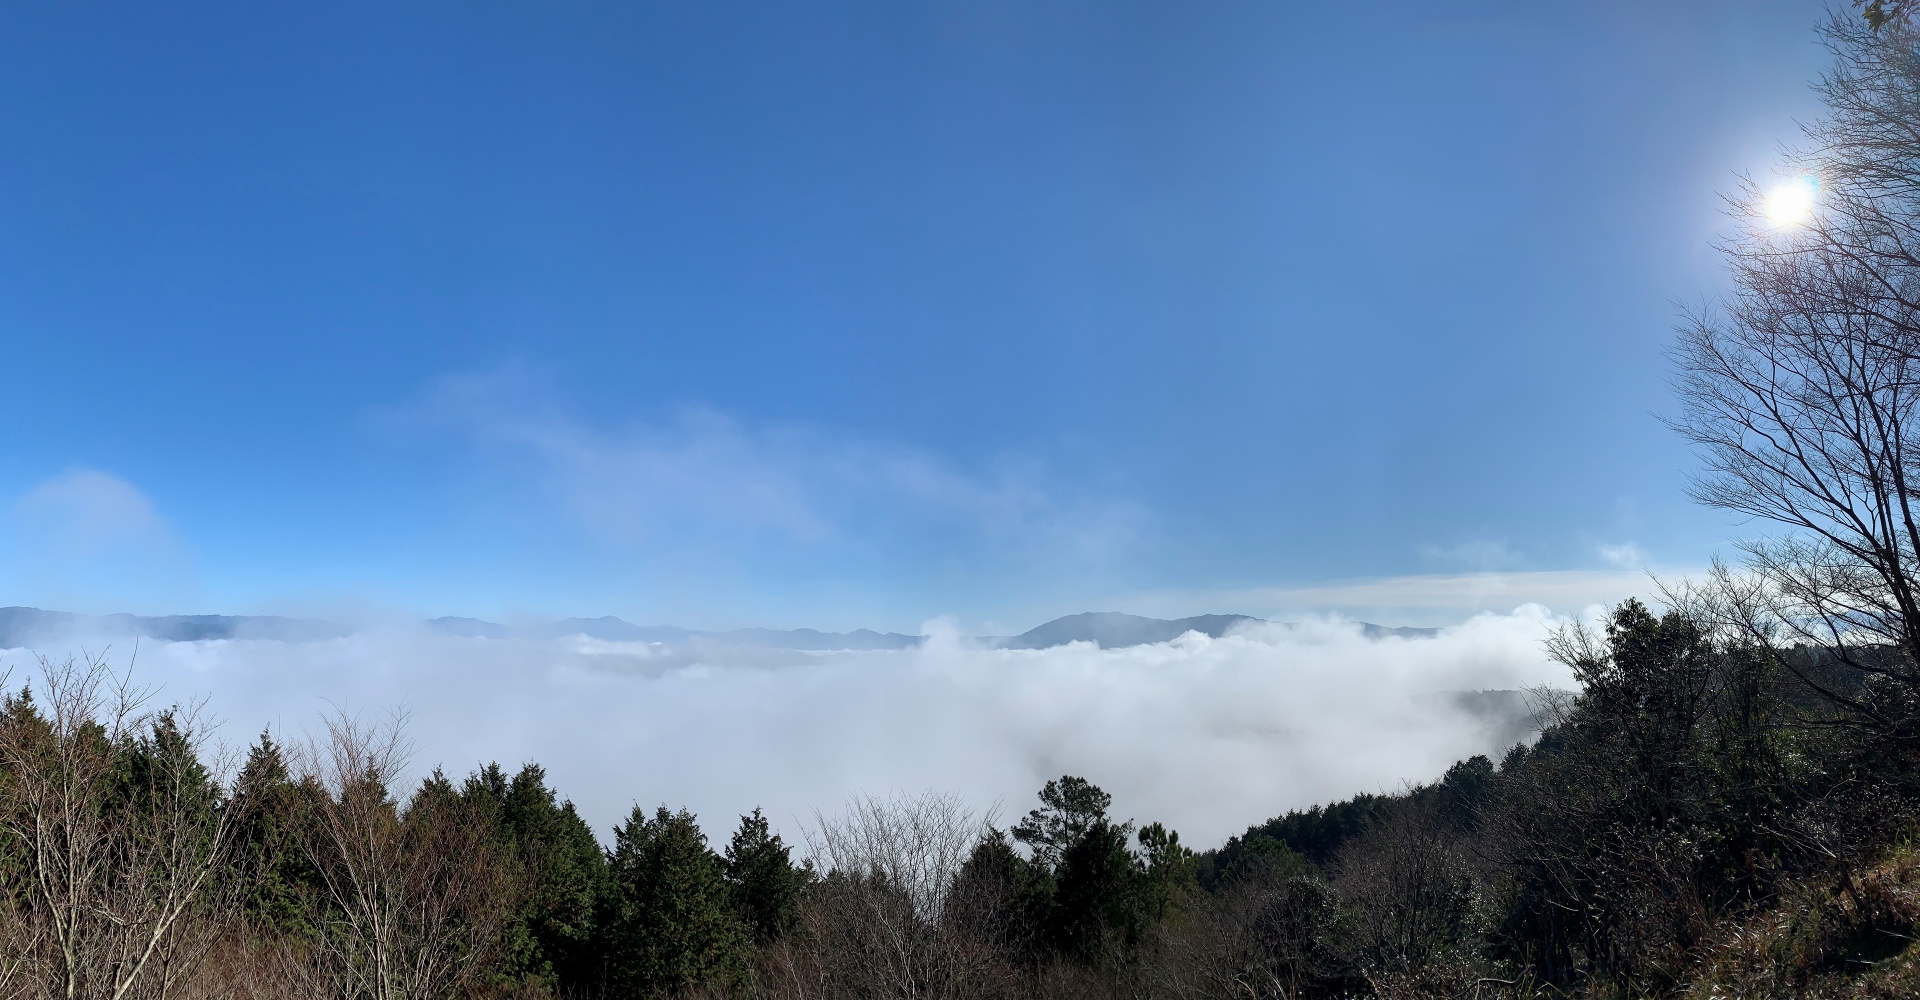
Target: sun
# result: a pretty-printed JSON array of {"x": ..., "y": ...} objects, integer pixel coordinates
[{"x": 1791, "y": 203}]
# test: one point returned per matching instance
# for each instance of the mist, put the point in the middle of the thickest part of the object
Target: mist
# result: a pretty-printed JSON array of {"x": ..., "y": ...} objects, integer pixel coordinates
[{"x": 1207, "y": 735}]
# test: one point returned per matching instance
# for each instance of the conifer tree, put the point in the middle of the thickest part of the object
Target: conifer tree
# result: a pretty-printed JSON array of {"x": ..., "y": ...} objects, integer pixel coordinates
[
  {"x": 562, "y": 870},
  {"x": 1170, "y": 871},
  {"x": 1069, "y": 808},
  {"x": 764, "y": 882},
  {"x": 278, "y": 882},
  {"x": 1095, "y": 886},
  {"x": 671, "y": 927},
  {"x": 1000, "y": 897}
]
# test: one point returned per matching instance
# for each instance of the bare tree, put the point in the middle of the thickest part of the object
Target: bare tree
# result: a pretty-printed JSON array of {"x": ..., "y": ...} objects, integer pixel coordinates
[
  {"x": 1801, "y": 390},
  {"x": 916, "y": 843},
  {"x": 1265, "y": 935},
  {"x": 414, "y": 898},
  {"x": 1407, "y": 886},
  {"x": 873, "y": 925},
  {"x": 118, "y": 830}
]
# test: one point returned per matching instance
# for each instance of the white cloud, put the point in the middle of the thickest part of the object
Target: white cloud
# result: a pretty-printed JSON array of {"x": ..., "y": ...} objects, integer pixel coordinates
[
  {"x": 1481, "y": 555},
  {"x": 1206, "y": 734},
  {"x": 704, "y": 478},
  {"x": 85, "y": 512},
  {"x": 90, "y": 539},
  {"x": 1625, "y": 555}
]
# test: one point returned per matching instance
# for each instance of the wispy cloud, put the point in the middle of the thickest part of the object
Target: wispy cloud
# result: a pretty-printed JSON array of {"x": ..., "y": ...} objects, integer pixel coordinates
[
  {"x": 84, "y": 512},
  {"x": 1478, "y": 555},
  {"x": 1421, "y": 599},
  {"x": 1207, "y": 734},
  {"x": 1625, "y": 555},
  {"x": 87, "y": 538},
  {"x": 704, "y": 477}
]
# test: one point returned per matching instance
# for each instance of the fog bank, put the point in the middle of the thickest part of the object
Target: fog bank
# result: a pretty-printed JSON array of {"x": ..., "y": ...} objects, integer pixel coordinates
[{"x": 1207, "y": 735}]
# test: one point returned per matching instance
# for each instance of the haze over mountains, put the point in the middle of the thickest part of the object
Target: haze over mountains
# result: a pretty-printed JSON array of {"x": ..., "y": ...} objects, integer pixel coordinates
[
  {"x": 25, "y": 627},
  {"x": 33, "y": 627}
]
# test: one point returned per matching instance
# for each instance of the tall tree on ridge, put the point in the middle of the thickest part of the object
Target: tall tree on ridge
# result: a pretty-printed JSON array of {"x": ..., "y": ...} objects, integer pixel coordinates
[
  {"x": 764, "y": 882},
  {"x": 671, "y": 926}
]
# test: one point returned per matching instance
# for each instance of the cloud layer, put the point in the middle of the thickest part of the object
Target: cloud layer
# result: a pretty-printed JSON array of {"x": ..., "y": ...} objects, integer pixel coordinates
[{"x": 1206, "y": 734}]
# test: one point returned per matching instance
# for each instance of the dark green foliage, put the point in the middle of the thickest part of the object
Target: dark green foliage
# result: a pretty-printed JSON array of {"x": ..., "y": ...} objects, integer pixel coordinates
[
  {"x": 671, "y": 924},
  {"x": 1093, "y": 917},
  {"x": 763, "y": 882},
  {"x": 563, "y": 874},
  {"x": 1465, "y": 790},
  {"x": 1086, "y": 894},
  {"x": 1274, "y": 930},
  {"x": 1171, "y": 872},
  {"x": 1002, "y": 898},
  {"x": 1219, "y": 867},
  {"x": 1684, "y": 785},
  {"x": 278, "y": 883},
  {"x": 1069, "y": 807},
  {"x": 1659, "y": 798},
  {"x": 1316, "y": 833}
]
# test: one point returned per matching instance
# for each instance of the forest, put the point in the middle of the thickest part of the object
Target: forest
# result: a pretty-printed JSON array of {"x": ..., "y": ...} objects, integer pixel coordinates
[{"x": 1726, "y": 804}]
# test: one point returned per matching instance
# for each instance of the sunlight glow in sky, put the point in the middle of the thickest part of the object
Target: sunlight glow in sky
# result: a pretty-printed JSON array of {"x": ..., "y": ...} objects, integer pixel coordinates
[{"x": 1792, "y": 202}]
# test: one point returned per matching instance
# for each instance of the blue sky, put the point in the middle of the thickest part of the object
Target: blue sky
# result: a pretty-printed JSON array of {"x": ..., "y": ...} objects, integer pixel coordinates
[{"x": 862, "y": 314}]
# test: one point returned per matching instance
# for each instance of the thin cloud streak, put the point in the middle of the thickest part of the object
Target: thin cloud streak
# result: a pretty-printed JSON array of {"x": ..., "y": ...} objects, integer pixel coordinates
[
  {"x": 704, "y": 479},
  {"x": 1432, "y": 598},
  {"x": 1206, "y": 734}
]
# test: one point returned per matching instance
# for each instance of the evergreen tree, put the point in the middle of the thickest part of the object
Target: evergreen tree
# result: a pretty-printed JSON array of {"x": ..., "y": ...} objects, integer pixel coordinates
[
  {"x": 563, "y": 874},
  {"x": 1098, "y": 895},
  {"x": 277, "y": 879},
  {"x": 671, "y": 926},
  {"x": 1171, "y": 871},
  {"x": 1069, "y": 808},
  {"x": 764, "y": 882},
  {"x": 1095, "y": 885},
  {"x": 1001, "y": 898}
]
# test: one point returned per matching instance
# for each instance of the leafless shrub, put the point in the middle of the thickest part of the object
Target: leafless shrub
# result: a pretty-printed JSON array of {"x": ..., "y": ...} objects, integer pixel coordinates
[
  {"x": 413, "y": 899},
  {"x": 1407, "y": 887},
  {"x": 115, "y": 829},
  {"x": 873, "y": 925},
  {"x": 1268, "y": 935},
  {"x": 913, "y": 843}
]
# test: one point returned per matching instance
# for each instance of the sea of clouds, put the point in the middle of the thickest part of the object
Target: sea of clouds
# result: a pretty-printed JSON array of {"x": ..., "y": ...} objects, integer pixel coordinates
[{"x": 1208, "y": 735}]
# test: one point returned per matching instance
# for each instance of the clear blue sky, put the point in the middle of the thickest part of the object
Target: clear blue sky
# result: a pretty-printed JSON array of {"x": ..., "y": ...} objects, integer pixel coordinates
[{"x": 854, "y": 314}]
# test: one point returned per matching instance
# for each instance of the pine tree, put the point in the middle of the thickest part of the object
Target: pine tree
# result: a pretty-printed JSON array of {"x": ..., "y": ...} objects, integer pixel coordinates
[
  {"x": 764, "y": 882},
  {"x": 671, "y": 926},
  {"x": 1069, "y": 808},
  {"x": 563, "y": 874},
  {"x": 1095, "y": 887},
  {"x": 269, "y": 806},
  {"x": 1170, "y": 872}
]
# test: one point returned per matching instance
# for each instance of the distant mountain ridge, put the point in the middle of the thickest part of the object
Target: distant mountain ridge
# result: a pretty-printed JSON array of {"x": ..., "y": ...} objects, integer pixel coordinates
[
  {"x": 613, "y": 629},
  {"x": 26, "y": 626},
  {"x": 30, "y": 627},
  {"x": 1113, "y": 630}
]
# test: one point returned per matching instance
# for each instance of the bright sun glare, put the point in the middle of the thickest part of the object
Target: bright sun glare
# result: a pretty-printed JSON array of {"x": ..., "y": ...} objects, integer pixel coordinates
[{"x": 1791, "y": 203}]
